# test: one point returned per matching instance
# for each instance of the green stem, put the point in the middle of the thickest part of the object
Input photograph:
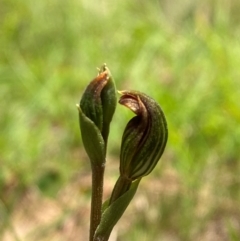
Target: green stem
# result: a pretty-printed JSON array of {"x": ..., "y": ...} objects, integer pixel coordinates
[
  {"x": 97, "y": 193},
  {"x": 122, "y": 185},
  {"x": 123, "y": 192}
]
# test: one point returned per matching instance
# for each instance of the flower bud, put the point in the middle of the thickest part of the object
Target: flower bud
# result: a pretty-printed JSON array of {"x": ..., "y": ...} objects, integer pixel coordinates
[
  {"x": 96, "y": 110},
  {"x": 91, "y": 103},
  {"x": 145, "y": 136}
]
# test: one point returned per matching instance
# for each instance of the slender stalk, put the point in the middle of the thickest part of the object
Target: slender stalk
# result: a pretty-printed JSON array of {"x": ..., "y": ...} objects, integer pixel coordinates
[
  {"x": 124, "y": 189},
  {"x": 97, "y": 193},
  {"x": 122, "y": 185}
]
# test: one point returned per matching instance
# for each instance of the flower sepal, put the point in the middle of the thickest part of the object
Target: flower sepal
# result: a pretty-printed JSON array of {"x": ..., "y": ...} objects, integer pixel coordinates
[{"x": 92, "y": 139}]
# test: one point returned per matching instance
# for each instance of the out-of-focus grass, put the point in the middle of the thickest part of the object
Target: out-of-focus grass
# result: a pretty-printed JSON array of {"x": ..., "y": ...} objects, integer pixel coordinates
[{"x": 184, "y": 54}]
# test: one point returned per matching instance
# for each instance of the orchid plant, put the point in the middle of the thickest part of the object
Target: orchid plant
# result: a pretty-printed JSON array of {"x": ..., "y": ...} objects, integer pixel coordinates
[{"x": 143, "y": 143}]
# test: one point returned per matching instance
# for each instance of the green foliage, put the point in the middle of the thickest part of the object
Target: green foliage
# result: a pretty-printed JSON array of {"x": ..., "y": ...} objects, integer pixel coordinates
[{"x": 186, "y": 57}]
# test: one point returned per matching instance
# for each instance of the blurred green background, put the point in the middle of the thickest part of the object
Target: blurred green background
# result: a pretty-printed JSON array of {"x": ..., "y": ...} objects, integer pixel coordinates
[{"x": 185, "y": 54}]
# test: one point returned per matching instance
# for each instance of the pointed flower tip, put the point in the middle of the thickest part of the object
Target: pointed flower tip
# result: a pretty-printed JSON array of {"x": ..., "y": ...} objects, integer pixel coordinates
[
  {"x": 78, "y": 107},
  {"x": 121, "y": 92},
  {"x": 103, "y": 69}
]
